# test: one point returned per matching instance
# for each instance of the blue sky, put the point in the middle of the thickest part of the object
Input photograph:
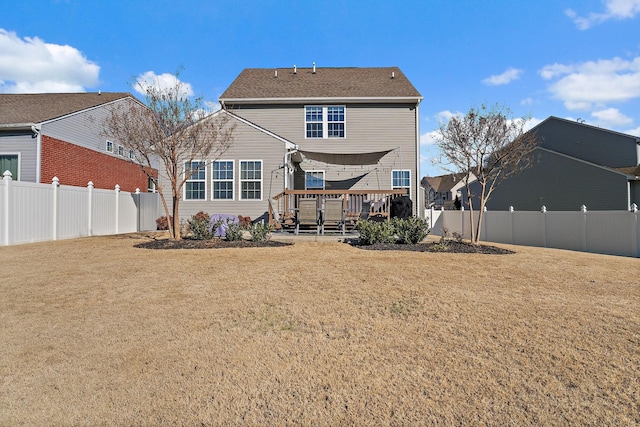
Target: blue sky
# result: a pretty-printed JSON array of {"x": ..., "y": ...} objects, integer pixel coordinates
[{"x": 576, "y": 59}]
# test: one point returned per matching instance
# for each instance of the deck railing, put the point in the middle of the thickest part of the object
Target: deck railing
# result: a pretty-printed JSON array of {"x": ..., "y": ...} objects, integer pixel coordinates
[{"x": 285, "y": 203}]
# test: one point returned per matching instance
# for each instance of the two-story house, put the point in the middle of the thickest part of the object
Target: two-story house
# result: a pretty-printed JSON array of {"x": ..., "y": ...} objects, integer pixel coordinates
[
  {"x": 348, "y": 132},
  {"x": 575, "y": 164},
  {"x": 444, "y": 191},
  {"x": 61, "y": 135}
]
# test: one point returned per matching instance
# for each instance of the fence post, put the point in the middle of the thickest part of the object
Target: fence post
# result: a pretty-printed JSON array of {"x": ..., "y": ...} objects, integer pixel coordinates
[
  {"x": 138, "y": 208},
  {"x": 544, "y": 225},
  {"x": 90, "y": 208},
  {"x": 636, "y": 242},
  {"x": 6, "y": 180},
  {"x": 513, "y": 239},
  {"x": 583, "y": 225},
  {"x": 117, "y": 192},
  {"x": 484, "y": 225},
  {"x": 461, "y": 220},
  {"x": 55, "y": 185}
]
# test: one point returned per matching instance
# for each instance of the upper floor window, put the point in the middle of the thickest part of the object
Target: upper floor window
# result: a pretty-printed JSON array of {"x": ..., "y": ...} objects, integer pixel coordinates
[
  {"x": 400, "y": 179},
  {"x": 325, "y": 121},
  {"x": 120, "y": 150},
  {"x": 109, "y": 146},
  {"x": 314, "y": 180},
  {"x": 222, "y": 176},
  {"x": 195, "y": 186},
  {"x": 251, "y": 180}
]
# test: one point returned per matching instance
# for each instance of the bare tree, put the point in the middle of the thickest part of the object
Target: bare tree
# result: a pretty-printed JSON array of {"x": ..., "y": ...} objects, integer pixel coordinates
[
  {"x": 173, "y": 133},
  {"x": 489, "y": 144}
]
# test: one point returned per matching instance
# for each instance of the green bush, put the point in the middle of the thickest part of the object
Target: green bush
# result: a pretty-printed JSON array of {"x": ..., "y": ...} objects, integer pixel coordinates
[
  {"x": 199, "y": 226},
  {"x": 411, "y": 230},
  {"x": 235, "y": 230},
  {"x": 260, "y": 231},
  {"x": 372, "y": 232}
]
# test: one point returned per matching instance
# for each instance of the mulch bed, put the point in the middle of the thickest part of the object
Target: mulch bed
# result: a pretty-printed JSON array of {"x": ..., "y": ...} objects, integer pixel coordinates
[
  {"x": 208, "y": 244},
  {"x": 450, "y": 247}
]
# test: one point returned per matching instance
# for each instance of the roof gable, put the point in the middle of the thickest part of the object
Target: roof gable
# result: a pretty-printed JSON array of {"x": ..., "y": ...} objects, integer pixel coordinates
[
  {"x": 40, "y": 107},
  {"x": 318, "y": 83}
]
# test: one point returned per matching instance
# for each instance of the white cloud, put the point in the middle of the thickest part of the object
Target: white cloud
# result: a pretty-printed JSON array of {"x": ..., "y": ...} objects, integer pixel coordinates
[
  {"x": 614, "y": 9},
  {"x": 612, "y": 117},
  {"x": 507, "y": 77},
  {"x": 429, "y": 138},
  {"x": 30, "y": 65},
  {"x": 635, "y": 132},
  {"x": 526, "y": 101},
  {"x": 162, "y": 82},
  {"x": 600, "y": 82}
]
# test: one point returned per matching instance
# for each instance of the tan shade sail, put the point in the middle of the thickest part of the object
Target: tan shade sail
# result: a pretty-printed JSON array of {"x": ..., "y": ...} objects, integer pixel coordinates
[{"x": 340, "y": 158}]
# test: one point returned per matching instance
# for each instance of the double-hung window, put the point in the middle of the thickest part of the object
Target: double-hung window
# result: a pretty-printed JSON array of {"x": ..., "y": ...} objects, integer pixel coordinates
[
  {"x": 222, "y": 176},
  {"x": 314, "y": 180},
  {"x": 251, "y": 180},
  {"x": 11, "y": 163},
  {"x": 400, "y": 179},
  {"x": 195, "y": 185},
  {"x": 325, "y": 121},
  {"x": 109, "y": 147}
]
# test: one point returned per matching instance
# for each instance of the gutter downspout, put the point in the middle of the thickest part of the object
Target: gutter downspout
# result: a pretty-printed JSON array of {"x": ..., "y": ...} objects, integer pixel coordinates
[
  {"x": 419, "y": 203},
  {"x": 36, "y": 129}
]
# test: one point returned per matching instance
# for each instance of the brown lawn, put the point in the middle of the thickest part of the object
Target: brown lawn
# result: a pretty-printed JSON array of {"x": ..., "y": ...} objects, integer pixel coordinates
[{"x": 96, "y": 332}]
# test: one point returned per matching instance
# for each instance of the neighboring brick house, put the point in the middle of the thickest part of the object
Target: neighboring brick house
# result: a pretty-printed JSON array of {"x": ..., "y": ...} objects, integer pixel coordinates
[
  {"x": 60, "y": 134},
  {"x": 312, "y": 129}
]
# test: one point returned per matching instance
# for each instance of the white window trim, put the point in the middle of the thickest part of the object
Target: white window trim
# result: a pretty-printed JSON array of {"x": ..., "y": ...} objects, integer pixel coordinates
[
  {"x": 325, "y": 122},
  {"x": 11, "y": 153},
  {"x": 184, "y": 186},
  {"x": 106, "y": 146},
  {"x": 233, "y": 180},
  {"x": 324, "y": 174},
  {"x": 401, "y": 170},
  {"x": 240, "y": 180},
  {"x": 120, "y": 151}
]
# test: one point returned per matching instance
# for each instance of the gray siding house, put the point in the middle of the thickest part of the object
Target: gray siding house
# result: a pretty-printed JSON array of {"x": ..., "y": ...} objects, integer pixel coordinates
[
  {"x": 575, "y": 164},
  {"x": 60, "y": 135},
  {"x": 317, "y": 130}
]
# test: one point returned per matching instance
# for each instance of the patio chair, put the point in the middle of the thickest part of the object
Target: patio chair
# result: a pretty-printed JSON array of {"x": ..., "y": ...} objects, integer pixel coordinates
[
  {"x": 307, "y": 215},
  {"x": 333, "y": 215}
]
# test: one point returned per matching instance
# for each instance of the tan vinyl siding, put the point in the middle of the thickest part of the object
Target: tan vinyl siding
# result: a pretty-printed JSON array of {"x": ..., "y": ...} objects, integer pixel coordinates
[
  {"x": 369, "y": 128},
  {"x": 250, "y": 144},
  {"x": 26, "y": 145}
]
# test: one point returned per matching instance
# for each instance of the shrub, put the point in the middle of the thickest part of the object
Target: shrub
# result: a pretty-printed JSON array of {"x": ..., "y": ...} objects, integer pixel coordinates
[
  {"x": 235, "y": 231},
  {"x": 372, "y": 232},
  {"x": 199, "y": 226},
  {"x": 162, "y": 223},
  {"x": 260, "y": 231},
  {"x": 410, "y": 230}
]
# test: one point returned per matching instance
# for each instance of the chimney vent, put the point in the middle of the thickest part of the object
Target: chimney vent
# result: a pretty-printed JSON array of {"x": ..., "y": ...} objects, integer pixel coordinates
[
  {"x": 275, "y": 74},
  {"x": 393, "y": 74},
  {"x": 314, "y": 68},
  {"x": 295, "y": 69}
]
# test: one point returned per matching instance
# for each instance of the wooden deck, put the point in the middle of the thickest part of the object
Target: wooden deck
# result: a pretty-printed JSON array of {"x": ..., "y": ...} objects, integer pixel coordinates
[{"x": 283, "y": 206}]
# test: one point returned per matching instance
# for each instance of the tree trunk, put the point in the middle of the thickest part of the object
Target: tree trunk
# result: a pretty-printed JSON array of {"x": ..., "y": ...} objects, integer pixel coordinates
[{"x": 176, "y": 219}]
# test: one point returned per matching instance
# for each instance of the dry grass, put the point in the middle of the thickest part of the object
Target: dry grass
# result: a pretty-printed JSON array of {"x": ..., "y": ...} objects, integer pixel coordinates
[{"x": 95, "y": 332}]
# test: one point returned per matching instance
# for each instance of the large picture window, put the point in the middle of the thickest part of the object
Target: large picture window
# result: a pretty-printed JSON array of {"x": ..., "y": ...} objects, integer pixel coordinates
[
  {"x": 325, "y": 121},
  {"x": 314, "y": 180},
  {"x": 251, "y": 179},
  {"x": 11, "y": 163},
  {"x": 222, "y": 176},
  {"x": 195, "y": 186},
  {"x": 400, "y": 179}
]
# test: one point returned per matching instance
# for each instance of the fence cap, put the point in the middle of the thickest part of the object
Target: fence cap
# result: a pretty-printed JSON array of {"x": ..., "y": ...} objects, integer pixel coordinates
[{"x": 6, "y": 175}]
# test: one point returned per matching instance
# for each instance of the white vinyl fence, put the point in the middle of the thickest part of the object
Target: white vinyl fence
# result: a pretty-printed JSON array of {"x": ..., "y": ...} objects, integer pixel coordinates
[
  {"x": 604, "y": 232},
  {"x": 31, "y": 212}
]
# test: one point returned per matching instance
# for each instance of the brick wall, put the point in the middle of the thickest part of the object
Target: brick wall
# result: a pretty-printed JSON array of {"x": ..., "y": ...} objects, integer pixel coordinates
[{"x": 75, "y": 165}]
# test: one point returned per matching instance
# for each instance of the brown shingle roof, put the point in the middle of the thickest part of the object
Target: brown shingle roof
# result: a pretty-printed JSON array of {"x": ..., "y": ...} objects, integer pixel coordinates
[
  {"x": 262, "y": 83},
  {"x": 39, "y": 107}
]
